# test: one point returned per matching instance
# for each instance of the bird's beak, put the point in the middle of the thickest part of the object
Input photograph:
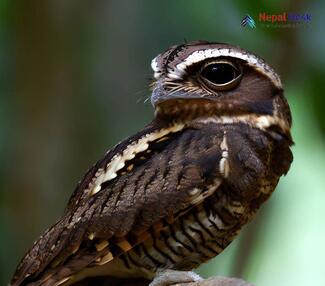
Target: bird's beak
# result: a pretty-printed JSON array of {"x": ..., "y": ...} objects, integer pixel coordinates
[{"x": 160, "y": 94}]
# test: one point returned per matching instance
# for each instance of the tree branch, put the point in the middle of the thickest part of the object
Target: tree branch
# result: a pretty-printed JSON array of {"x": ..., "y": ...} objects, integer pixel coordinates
[
  {"x": 218, "y": 281},
  {"x": 214, "y": 281}
]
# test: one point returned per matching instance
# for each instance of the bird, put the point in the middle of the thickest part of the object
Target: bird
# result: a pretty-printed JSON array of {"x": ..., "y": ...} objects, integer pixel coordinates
[{"x": 176, "y": 193}]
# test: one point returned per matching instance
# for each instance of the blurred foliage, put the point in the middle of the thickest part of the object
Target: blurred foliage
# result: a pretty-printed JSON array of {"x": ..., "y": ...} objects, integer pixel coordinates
[{"x": 73, "y": 82}]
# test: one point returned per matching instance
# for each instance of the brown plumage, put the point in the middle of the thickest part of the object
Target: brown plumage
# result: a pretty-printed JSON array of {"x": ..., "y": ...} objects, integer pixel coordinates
[{"x": 176, "y": 193}]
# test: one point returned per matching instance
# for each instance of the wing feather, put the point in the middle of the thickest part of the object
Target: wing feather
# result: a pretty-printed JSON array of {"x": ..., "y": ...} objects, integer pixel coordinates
[{"x": 167, "y": 177}]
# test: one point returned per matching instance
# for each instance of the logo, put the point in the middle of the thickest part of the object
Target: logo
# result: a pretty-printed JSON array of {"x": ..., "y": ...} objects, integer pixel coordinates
[
  {"x": 248, "y": 21},
  {"x": 279, "y": 20}
]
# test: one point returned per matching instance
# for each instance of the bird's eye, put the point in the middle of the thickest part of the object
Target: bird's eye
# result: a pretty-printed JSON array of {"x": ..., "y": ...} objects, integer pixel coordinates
[{"x": 220, "y": 75}]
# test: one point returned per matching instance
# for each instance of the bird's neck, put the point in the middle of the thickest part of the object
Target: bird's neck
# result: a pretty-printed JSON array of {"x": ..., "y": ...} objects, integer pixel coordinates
[{"x": 201, "y": 111}]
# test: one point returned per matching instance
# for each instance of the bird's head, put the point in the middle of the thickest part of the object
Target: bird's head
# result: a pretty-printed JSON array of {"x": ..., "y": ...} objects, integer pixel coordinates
[{"x": 204, "y": 79}]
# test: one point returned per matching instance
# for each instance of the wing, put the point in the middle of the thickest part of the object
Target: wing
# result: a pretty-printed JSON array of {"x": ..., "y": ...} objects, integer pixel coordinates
[{"x": 144, "y": 179}]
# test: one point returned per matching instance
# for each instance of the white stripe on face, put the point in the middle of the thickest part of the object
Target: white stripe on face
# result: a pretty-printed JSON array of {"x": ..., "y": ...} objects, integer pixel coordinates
[
  {"x": 155, "y": 68},
  {"x": 179, "y": 71}
]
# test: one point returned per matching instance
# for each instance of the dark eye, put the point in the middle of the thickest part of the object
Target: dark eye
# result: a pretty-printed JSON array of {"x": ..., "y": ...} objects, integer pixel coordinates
[{"x": 222, "y": 75}]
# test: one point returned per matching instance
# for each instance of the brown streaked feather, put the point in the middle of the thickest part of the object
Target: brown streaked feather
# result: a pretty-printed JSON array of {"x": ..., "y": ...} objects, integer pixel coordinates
[{"x": 166, "y": 171}]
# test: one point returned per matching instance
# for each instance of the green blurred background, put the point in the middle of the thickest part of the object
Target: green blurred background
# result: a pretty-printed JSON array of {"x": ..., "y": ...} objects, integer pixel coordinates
[{"x": 73, "y": 82}]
